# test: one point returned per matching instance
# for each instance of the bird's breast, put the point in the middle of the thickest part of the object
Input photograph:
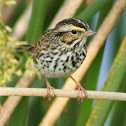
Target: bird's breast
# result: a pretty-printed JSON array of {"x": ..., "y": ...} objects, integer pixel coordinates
[{"x": 59, "y": 62}]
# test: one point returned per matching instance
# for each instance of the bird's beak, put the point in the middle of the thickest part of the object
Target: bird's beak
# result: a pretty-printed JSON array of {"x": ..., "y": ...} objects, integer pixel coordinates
[{"x": 89, "y": 32}]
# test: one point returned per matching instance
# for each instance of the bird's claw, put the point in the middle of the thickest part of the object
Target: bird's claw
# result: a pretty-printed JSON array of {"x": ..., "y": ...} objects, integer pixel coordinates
[
  {"x": 50, "y": 92},
  {"x": 81, "y": 93}
]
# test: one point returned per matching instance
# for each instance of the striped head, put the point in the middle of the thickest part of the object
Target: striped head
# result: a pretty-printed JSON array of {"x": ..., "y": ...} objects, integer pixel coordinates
[{"x": 72, "y": 29}]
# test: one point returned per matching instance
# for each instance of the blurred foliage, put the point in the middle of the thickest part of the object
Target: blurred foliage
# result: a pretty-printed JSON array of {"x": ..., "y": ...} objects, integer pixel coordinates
[
  {"x": 8, "y": 2},
  {"x": 112, "y": 84},
  {"x": 31, "y": 110},
  {"x": 8, "y": 62}
]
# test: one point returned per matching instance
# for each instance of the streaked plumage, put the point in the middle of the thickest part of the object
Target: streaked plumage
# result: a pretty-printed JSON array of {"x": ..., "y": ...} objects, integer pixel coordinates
[{"x": 60, "y": 51}]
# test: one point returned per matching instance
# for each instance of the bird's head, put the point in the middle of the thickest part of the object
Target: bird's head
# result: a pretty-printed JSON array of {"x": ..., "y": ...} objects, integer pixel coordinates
[{"x": 71, "y": 30}]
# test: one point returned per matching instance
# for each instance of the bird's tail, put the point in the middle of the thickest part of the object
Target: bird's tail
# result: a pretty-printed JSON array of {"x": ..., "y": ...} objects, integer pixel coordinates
[{"x": 25, "y": 48}]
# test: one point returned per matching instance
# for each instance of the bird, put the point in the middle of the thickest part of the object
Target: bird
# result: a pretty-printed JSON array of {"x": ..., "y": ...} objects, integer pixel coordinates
[{"x": 60, "y": 51}]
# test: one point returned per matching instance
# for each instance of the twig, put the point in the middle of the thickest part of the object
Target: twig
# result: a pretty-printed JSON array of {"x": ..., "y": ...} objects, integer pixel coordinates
[
  {"x": 8, "y": 91},
  {"x": 59, "y": 103}
]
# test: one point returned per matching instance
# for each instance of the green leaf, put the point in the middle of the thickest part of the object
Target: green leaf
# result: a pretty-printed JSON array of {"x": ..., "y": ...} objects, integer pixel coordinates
[
  {"x": 117, "y": 72},
  {"x": 119, "y": 107},
  {"x": 36, "y": 22},
  {"x": 19, "y": 114},
  {"x": 93, "y": 9},
  {"x": 104, "y": 11}
]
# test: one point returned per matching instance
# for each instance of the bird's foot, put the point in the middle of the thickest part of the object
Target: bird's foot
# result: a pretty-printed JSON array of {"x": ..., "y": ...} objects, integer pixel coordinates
[
  {"x": 50, "y": 91},
  {"x": 81, "y": 93}
]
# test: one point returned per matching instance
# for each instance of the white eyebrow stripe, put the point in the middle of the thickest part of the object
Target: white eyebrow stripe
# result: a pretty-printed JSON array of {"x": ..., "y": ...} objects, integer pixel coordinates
[
  {"x": 66, "y": 27},
  {"x": 70, "y": 27}
]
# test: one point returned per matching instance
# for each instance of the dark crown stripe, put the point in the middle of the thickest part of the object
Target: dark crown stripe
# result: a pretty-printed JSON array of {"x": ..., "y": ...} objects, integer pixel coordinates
[{"x": 74, "y": 21}]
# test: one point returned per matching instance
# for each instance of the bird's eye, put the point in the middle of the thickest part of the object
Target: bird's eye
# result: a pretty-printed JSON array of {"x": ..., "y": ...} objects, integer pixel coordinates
[{"x": 74, "y": 31}]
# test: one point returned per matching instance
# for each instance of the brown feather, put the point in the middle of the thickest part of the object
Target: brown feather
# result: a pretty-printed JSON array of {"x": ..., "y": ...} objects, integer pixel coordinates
[{"x": 25, "y": 48}]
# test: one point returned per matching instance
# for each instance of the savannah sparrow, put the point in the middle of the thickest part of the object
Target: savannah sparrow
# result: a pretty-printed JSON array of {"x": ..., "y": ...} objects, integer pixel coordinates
[{"x": 60, "y": 51}]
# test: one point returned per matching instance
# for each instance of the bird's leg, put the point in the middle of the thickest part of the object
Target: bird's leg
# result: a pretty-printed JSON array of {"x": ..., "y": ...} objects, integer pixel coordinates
[
  {"x": 80, "y": 90},
  {"x": 50, "y": 89}
]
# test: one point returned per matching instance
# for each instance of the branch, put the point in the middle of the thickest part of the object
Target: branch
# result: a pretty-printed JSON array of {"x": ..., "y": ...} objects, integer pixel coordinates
[{"x": 8, "y": 91}]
